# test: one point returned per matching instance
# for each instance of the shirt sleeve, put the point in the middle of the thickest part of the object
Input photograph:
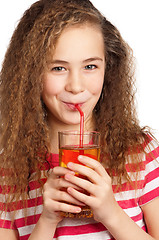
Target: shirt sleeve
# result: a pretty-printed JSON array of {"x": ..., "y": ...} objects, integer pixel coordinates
[{"x": 150, "y": 189}]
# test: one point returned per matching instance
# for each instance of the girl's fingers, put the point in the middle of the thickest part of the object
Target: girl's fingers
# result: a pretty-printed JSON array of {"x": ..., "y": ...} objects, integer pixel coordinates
[
  {"x": 82, "y": 183},
  {"x": 62, "y": 196},
  {"x": 80, "y": 196},
  {"x": 55, "y": 187},
  {"x": 55, "y": 195},
  {"x": 62, "y": 183},
  {"x": 64, "y": 207},
  {"x": 88, "y": 172},
  {"x": 93, "y": 164},
  {"x": 59, "y": 171},
  {"x": 59, "y": 183},
  {"x": 56, "y": 179}
]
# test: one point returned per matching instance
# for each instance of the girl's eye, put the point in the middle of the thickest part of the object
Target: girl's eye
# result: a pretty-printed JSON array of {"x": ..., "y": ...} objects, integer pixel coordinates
[
  {"x": 58, "y": 69},
  {"x": 90, "y": 67}
]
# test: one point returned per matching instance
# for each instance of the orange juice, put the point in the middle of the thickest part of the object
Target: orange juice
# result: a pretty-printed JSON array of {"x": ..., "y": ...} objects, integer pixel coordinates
[{"x": 70, "y": 154}]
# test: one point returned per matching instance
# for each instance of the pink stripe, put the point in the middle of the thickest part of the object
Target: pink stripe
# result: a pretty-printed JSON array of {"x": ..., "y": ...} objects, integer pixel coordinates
[
  {"x": 152, "y": 155},
  {"x": 35, "y": 184},
  {"x": 126, "y": 204},
  {"x": 133, "y": 167},
  {"x": 7, "y": 224},
  {"x": 128, "y": 186},
  {"x": 79, "y": 230},
  {"x": 30, "y": 203},
  {"x": 25, "y": 237},
  {"x": 149, "y": 196},
  {"x": 144, "y": 228},
  {"x": 137, "y": 217},
  {"x": 152, "y": 175},
  {"x": 21, "y": 222}
]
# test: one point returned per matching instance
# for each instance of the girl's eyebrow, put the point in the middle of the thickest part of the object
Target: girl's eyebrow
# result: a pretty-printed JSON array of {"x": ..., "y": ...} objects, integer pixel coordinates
[
  {"x": 93, "y": 59},
  {"x": 59, "y": 61}
]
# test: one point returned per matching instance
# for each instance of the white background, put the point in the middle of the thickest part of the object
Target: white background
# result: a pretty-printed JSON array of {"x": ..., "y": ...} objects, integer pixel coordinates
[{"x": 138, "y": 22}]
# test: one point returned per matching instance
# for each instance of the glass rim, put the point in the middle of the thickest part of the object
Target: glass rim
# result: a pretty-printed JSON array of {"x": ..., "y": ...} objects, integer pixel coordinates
[{"x": 77, "y": 132}]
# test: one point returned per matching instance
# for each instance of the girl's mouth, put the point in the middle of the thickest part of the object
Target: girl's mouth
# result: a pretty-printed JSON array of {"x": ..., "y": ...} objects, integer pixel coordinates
[{"x": 72, "y": 105}]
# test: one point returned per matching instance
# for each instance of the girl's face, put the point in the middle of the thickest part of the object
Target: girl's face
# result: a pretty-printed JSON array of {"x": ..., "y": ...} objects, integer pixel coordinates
[{"x": 75, "y": 75}]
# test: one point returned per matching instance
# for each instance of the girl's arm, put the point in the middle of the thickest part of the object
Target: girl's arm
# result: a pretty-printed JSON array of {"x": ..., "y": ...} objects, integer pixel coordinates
[
  {"x": 44, "y": 229},
  {"x": 123, "y": 227},
  {"x": 54, "y": 196},
  {"x": 151, "y": 216},
  {"x": 105, "y": 208},
  {"x": 9, "y": 234}
]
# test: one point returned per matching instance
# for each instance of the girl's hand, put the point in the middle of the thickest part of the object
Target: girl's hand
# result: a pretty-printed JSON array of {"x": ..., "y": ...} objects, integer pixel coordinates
[
  {"x": 56, "y": 198},
  {"x": 101, "y": 198}
]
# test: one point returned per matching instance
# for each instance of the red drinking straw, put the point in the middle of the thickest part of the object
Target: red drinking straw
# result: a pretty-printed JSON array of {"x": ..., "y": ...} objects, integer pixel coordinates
[{"x": 81, "y": 124}]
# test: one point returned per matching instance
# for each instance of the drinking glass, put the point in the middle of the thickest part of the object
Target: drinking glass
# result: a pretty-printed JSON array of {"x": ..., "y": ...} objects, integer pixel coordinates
[{"x": 70, "y": 147}]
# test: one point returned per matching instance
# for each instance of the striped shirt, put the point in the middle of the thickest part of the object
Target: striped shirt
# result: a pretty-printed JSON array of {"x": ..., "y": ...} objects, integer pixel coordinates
[{"x": 129, "y": 199}]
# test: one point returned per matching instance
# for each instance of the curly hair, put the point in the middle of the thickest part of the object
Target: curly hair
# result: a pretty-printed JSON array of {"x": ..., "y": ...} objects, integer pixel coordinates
[{"x": 23, "y": 122}]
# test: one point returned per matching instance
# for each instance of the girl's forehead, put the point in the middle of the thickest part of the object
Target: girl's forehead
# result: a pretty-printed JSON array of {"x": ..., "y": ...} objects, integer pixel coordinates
[
  {"x": 85, "y": 28},
  {"x": 83, "y": 41}
]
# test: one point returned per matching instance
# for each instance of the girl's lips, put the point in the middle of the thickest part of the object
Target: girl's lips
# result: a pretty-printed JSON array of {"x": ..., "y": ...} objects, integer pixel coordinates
[{"x": 72, "y": 105}]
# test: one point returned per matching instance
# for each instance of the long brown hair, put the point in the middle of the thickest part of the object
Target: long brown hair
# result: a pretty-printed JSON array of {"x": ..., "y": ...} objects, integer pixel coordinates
[{"x": 23, "y": 116}]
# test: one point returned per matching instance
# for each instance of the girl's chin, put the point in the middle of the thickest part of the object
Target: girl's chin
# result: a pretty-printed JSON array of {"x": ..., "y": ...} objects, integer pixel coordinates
[
  {"x": 73, "y": 123},
  {"x": 70, "y": 120}
]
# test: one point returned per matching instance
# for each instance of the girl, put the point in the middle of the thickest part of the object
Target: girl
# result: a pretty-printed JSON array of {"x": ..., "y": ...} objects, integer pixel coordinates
[{"x": 64, "y": 52}]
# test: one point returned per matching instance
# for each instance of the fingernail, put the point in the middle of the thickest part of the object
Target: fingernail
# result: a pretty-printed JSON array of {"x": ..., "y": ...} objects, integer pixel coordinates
[
  {"x": 80, "y": 157},
  {"x": 78, "y": 210},
  {"x": 69, "y": 189},
  {"x": 67, "y": 176},
  {"x": 70, "y": 165}
]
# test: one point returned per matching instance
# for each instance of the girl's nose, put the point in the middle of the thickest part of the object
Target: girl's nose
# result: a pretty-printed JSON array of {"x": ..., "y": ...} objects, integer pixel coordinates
[{"x": 74, "y": 82}]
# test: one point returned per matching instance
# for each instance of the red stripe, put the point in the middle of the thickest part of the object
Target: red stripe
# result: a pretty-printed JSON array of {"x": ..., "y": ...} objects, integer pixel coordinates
[
  {"x": 126, "y": 204},
  {"x": 144, "y": 228},
  {"x": 137, "y": 217},
  {"x": 7, "y": 224},
  {"x": 152, "y": 175},
  {"x": 133, "y": 167},
  {"x": 79, "y": 230},
  {"x": 152, "y": 155},
  {"x": 28, "y": 235},
  {"x": 139, "y": 147},
  {"x": 25, "y": 237},
  {"x": 35, "y": 184},
  {"x": 21, "y": 222},
  {"x": 20, "y": 205},
  {"x": 149, "y": 196},
  {"x": 128, "y": 186},
  {"x": 32, "y": 185}
]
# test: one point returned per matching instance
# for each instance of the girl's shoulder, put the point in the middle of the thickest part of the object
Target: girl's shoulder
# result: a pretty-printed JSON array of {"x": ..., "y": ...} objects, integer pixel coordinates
[
  {"x": 151, "y": 150},
  {"x": 145, "y": 151},
  {"x": 150, "y": 144},
  {"x": 150, "y": 172}
]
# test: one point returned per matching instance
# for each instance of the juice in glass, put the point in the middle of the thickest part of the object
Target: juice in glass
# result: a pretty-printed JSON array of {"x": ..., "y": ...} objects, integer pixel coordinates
[{"x": 69, "y": 150}]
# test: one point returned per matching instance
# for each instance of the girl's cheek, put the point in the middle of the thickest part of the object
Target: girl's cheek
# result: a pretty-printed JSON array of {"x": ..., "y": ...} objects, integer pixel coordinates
[
  {"x": 97, "y": 85},
  {"x": 52, "y": 86}
]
